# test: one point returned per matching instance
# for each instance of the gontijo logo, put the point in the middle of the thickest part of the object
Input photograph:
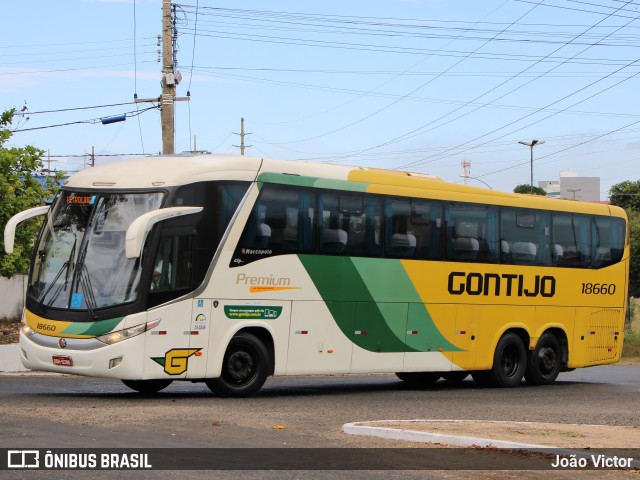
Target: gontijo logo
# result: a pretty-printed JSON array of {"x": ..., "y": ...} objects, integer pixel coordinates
[
  {"x": 506, "y": 284},
  {"x": 175, "y": 361}
]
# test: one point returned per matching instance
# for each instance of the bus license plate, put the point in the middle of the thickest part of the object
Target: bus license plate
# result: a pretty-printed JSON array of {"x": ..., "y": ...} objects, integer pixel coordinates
[{"x": 63, "y": 361}]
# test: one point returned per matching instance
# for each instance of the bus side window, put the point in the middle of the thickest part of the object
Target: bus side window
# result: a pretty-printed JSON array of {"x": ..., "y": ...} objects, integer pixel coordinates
[
  {"x": 413, "y": 228},
  {"x": 608, "y": 240},
  {"x": 471, "y": 232},
  {"x": 571, "y": 232},
  {"x": 524, "y": 237},
  {"x": 173, "y": 264},
  {"x": 426, "y": 225},
  {"x": 281, "y": 221},
  {"x": 334, "y": 225}
]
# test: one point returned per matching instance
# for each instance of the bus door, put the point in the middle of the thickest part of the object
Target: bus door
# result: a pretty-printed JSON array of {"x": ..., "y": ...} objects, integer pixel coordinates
[
  {"x": 179, "y": 343},
  {"x": 167, "y": 348}
]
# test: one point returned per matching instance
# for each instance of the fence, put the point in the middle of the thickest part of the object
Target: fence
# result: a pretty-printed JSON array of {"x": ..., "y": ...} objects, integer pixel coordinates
[{"x": 13, "y": 290}]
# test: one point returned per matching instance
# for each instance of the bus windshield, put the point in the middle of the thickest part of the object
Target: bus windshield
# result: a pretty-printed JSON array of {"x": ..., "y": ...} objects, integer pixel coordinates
[{"x": 80, "y": 261}]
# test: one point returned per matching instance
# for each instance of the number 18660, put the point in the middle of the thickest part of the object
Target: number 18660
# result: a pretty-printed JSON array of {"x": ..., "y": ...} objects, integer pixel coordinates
[{"x": 598, "y": 288}]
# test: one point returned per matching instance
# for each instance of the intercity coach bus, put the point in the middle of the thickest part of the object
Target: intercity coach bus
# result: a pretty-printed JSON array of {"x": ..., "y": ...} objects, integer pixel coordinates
[{"x": 227, "y": 270}]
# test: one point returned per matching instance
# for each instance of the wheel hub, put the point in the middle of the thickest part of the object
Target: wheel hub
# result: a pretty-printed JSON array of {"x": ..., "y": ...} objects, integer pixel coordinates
[{"x": 241, "y": 366}]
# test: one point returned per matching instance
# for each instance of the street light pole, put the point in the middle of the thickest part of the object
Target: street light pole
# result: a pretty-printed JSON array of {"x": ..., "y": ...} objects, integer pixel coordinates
[{"x": 531, "y": 144}]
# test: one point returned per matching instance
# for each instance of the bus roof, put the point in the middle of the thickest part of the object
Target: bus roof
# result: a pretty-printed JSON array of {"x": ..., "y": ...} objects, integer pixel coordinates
[{"x": 174, "y": 170}]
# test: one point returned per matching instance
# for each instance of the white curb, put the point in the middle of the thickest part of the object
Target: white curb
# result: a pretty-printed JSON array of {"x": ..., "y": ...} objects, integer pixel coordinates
[{"x": 365, "y": 428}]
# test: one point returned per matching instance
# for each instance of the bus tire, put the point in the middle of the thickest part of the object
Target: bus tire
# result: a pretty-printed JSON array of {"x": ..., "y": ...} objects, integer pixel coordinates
[
  {"x": 509, "y": 364},
  {"x": 245, "y": 367},
  {"x": 147, "y": 386},
  {"x": 545, "y": 361},
  {"x": 419, "y": 378},
  {"x": 509, "y": 361}
]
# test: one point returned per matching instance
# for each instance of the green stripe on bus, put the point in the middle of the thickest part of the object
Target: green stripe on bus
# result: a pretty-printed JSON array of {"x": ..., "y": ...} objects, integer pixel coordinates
[
  {"x": 302, "y": 181},
  {"x": 92, "y": 329},
  {"x": 361, "y": 298},
  {"x": 376, "y": 274}
]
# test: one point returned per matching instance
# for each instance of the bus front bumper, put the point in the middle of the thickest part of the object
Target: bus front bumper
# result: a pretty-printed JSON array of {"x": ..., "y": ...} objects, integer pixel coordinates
[{"x": 88, "y": 357}]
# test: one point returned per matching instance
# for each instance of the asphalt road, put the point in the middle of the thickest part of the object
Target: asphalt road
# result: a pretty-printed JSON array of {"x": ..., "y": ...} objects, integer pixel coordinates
[{"x": 76, "y": 412}]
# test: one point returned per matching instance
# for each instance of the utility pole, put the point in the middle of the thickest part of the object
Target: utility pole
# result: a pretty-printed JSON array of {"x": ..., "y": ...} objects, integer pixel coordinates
[
  {"x": 168, "y": 86},
  {"x": 242, "y": 134},
  {"x": 170, "y": 79}
]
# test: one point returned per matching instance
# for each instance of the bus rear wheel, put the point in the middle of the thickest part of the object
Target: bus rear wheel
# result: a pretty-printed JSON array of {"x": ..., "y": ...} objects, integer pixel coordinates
[
  {"x": 419, "y": 378},
  {"x": 509, "y": 364},
  {"x": 147, "y": 386},
  {"x": 545, "y": 361},
  {"x": 244, "y": 369}
]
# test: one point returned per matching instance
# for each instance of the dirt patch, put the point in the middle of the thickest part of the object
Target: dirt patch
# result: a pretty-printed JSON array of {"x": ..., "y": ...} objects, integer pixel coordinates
[
  {"x": 545, "y": 434},
  {"x": 9, "y": 331}
]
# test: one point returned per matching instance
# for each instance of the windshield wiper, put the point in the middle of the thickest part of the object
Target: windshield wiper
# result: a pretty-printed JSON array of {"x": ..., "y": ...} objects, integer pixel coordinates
[
  {"x": 65, "y": 267},
  {"x": 90, "y": 298}
]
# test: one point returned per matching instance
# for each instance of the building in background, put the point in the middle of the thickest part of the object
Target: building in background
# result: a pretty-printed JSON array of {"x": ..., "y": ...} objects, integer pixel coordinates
[{"x": 573, "y": 187}]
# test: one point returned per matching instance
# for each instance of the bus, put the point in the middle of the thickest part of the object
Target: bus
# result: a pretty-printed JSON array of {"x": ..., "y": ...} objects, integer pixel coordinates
[{"x": 228, "y": 270}]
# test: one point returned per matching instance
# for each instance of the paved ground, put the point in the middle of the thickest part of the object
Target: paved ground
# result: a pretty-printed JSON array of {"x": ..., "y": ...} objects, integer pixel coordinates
[{"x": 459, "y": 433}]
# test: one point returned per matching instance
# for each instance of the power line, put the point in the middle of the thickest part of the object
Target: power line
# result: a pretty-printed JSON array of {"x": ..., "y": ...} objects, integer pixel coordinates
[
  {"x": 415, "y": 131},
  {"x": 75, "y": 108},
  {"x": 564, "y": 149},
  {"x": 90, "y": 121},
  {"x": 403, "y": 97},
  {"x": 59, "y": 70}
]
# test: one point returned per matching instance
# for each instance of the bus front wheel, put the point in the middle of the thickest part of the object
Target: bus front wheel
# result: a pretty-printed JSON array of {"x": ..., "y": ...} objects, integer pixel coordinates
[
  {"x": 147, "y": 386},
  {"x": 244, "y": 367},
  {"x": 545, "y": 361}
]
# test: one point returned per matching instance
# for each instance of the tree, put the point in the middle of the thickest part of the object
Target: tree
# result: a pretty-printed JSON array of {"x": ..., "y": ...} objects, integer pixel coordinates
[
  {"x": 19, "y": 190},
  {"x": 530, "y": 190},
  {"x": 626, "y": 195},
  {"x": 634, "y": 247}
]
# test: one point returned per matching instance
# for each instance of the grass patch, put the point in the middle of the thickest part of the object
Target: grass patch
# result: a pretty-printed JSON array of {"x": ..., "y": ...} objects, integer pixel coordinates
[{"x": 631, "y": 346}]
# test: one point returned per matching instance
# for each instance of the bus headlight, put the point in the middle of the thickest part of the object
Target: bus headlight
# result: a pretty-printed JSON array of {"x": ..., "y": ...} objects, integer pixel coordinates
[
  {"x": 27, "y": 330},
  {"x": 115, "y": 337}
]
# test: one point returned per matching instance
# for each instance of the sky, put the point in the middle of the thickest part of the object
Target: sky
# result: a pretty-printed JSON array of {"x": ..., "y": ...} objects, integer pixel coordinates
[{"x": 417, "y": 85}]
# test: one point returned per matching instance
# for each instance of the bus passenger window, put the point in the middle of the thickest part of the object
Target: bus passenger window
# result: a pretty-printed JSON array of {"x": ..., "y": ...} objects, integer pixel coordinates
[
  {"x": 413, "y": 228},
  {"x": 524, "y": 237},
  {"x": 281, "y": 221},
  {"x": 471, "y": 232},
  {"x": 608, "y": 240},
  {"x": 334, "y": 236},
  {"x": 426, "y": 225},
  {"x": 571, "y": 234}
]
